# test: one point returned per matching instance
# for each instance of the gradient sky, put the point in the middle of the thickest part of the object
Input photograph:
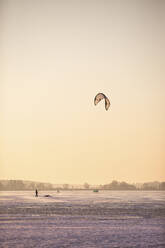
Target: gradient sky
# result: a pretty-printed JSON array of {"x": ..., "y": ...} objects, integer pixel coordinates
[{"x": 56, "y": 56}]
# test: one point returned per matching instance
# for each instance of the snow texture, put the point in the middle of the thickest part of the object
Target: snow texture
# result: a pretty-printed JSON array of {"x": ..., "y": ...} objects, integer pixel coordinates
[{"x": 82, "y": 219}]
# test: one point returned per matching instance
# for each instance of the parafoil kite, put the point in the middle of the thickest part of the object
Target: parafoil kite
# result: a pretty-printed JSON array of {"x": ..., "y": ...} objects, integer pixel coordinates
[{"x": 101, "y": 96}]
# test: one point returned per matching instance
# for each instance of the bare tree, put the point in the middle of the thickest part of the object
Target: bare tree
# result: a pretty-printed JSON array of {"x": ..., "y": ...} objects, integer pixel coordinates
[
  {"x": 65, "y": 186},
  {"x": 86, "y": 186}
]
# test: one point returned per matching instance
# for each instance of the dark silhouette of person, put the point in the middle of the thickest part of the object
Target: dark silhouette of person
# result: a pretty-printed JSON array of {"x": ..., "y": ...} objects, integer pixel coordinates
[{"x": 36, "y": 193}]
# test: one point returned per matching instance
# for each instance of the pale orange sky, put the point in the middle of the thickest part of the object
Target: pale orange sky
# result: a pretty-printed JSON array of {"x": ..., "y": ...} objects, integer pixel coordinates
[{"x": 56, "y": 55}]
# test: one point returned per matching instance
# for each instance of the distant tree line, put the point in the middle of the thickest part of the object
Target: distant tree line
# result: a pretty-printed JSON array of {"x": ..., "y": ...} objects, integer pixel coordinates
[
  {"x": 23, "y": 185},
  {"x": 114, "y": 185}
]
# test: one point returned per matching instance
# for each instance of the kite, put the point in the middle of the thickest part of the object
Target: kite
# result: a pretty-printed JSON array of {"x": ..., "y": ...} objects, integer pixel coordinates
[{"x": 101, "y": 96}]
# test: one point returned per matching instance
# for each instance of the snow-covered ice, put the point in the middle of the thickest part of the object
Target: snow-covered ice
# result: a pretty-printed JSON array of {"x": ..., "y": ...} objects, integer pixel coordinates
[{"x": 82, "y": 219}]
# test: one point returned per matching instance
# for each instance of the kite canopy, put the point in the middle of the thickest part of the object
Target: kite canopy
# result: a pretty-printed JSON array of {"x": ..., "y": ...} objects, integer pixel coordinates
[{"x": 101, "y": 96}]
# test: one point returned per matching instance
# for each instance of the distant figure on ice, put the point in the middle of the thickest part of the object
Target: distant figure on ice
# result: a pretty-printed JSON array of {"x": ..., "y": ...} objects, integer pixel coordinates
[{"x": 36, "y": 193}]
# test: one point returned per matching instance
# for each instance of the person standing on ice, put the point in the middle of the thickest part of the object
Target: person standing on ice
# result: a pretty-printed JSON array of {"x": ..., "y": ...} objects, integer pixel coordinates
[{"x": 36, "y": 193}]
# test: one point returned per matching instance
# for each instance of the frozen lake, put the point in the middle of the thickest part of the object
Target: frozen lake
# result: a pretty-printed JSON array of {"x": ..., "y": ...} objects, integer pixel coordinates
[{"x": 82, "y": 219}]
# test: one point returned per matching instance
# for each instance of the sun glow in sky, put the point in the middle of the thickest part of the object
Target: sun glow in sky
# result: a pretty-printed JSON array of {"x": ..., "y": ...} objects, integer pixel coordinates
[{"x": 56, "y": 56}]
